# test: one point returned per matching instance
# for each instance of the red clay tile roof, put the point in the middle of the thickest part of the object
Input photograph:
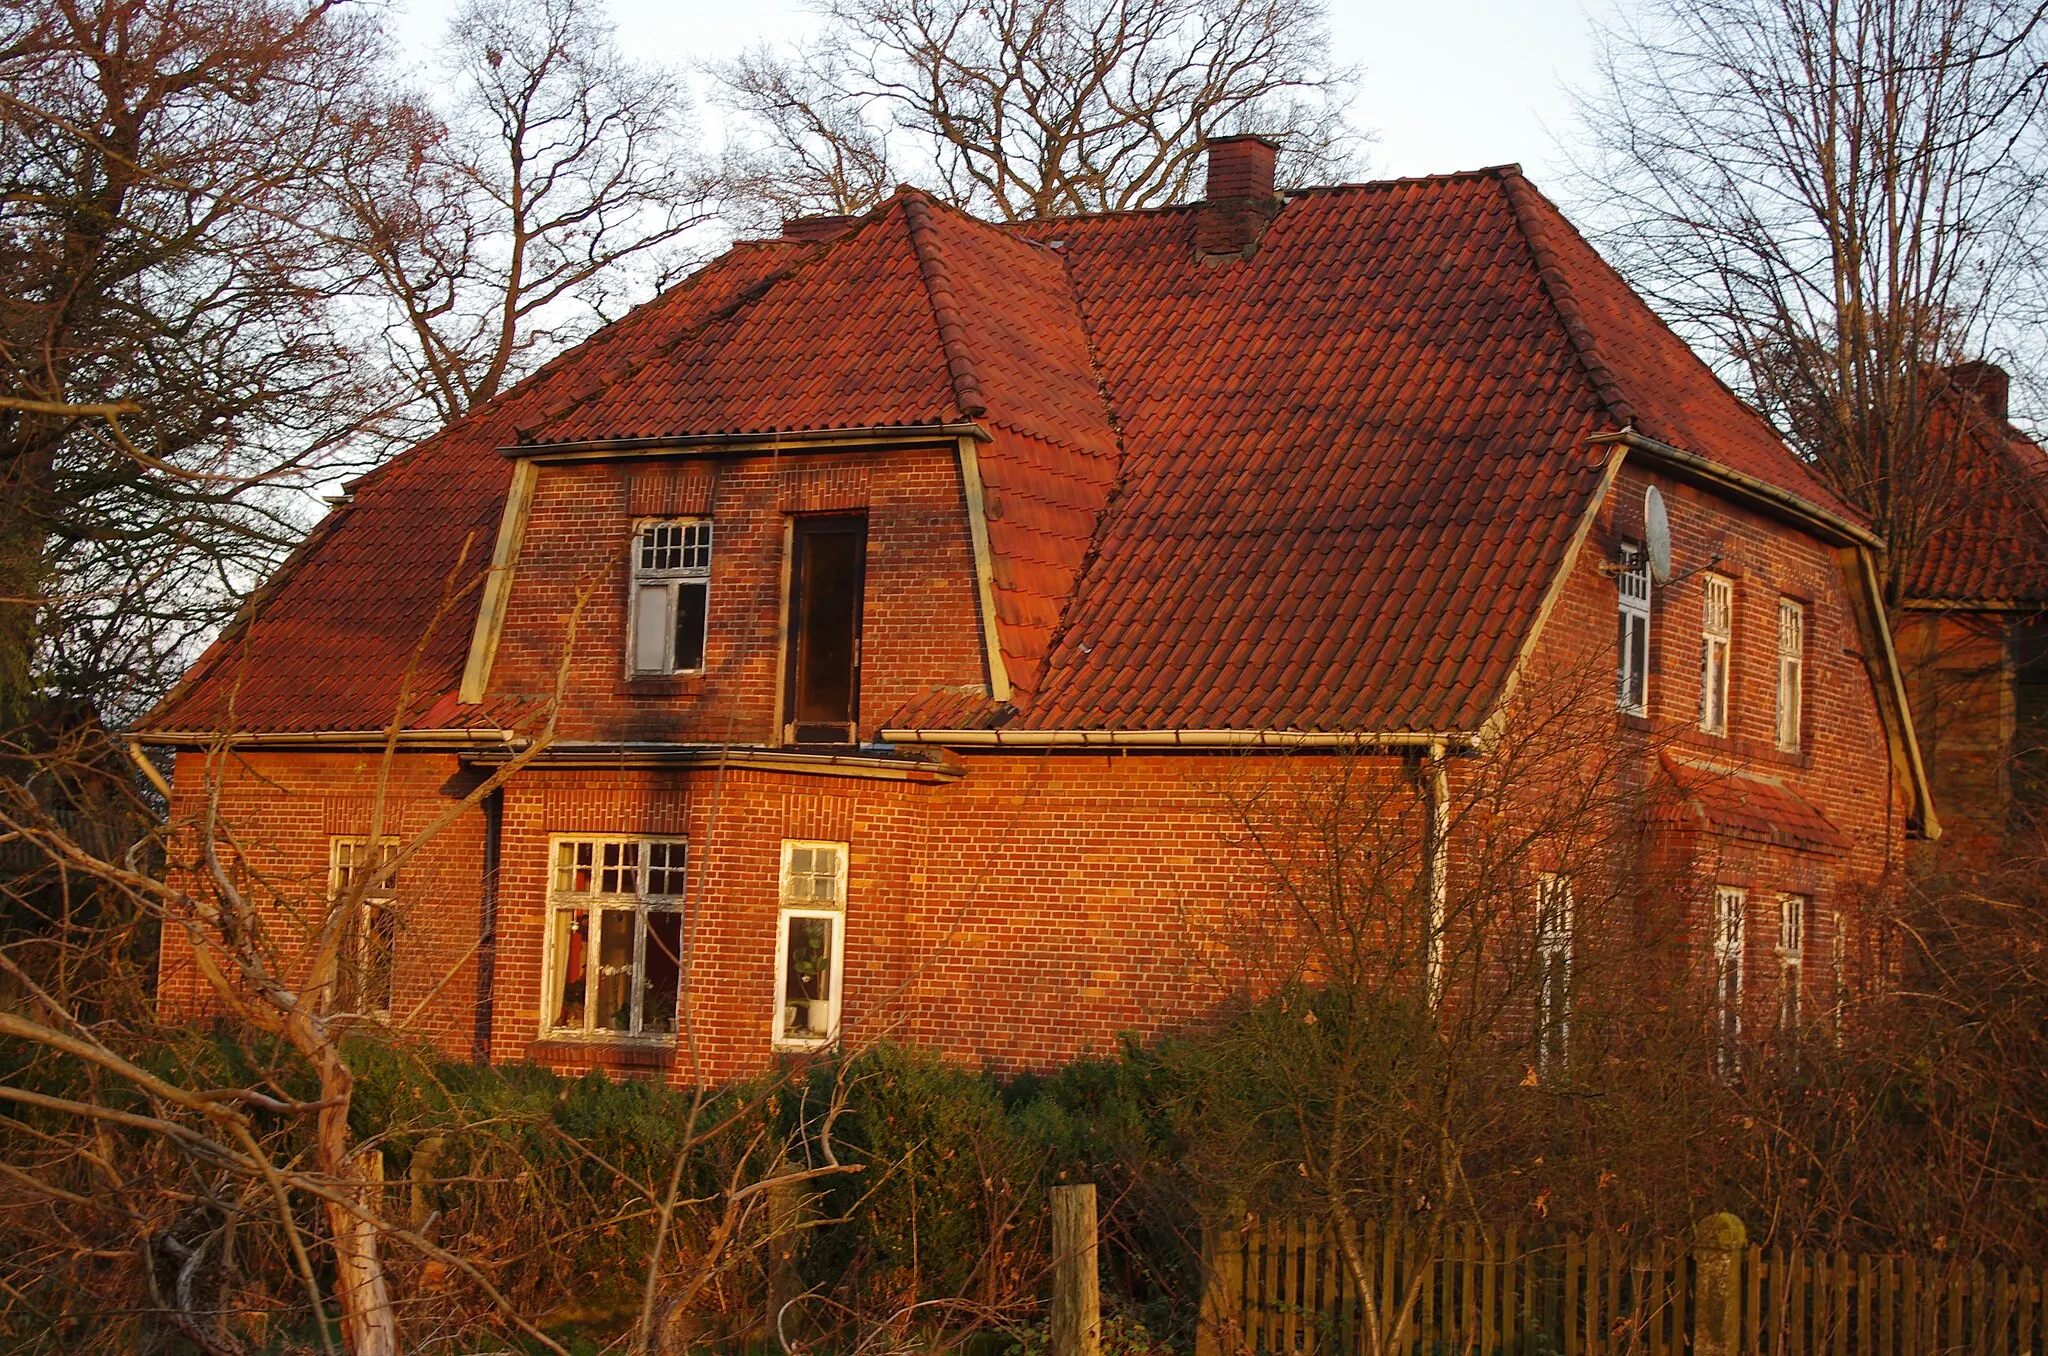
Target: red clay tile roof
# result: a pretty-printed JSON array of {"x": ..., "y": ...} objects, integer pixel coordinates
[
  {"x": 1994, "y": 547},
  {"x": 1324, "y": 488},
  {"x": 1743, "y": 805}
]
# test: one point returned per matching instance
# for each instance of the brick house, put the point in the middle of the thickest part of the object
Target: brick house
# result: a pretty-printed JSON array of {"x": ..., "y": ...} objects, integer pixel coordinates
[
  {"x": 1972, "y": 635},
  {"x": 923, "y": 570}
]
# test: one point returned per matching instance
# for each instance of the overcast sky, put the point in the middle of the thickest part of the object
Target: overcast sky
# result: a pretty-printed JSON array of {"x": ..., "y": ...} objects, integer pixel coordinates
[{"x": 1447, "y": 84}]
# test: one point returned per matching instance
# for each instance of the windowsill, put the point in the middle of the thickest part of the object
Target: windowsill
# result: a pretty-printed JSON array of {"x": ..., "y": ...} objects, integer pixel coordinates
[
  {"x": 789, "y": 1045},
  {"x": 607, "y": 1050},
  {"x": 663, "y": 684}
]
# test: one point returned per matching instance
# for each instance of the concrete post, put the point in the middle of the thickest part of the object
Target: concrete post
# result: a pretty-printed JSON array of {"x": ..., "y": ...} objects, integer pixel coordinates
[
  {"x": 1076, "y": 1293},
  {"x": 1718, "y": 1244},
  {"x": 1220, "y": 1330}
]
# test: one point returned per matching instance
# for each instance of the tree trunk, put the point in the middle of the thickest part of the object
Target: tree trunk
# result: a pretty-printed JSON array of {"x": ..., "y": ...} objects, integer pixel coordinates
[{"x": 368, "y": 1325}]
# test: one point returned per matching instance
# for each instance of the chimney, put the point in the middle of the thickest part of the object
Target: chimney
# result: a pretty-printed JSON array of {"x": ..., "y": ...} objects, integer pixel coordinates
[
  {"x": 1240, "y": 202},
  {"x": 1987, "y": 381},
  {"x": 812, "y": 229}
]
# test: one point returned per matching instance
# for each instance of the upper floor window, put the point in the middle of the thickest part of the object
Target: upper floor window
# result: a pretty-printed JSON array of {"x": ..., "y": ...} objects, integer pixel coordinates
[
  {"x": 1791, "y": 957},
  {"x": 1730, "y": 909},
  {"x": 1791, "y": 677},
  {"x": 671, "y": 593},
  {"x": 615, "y": 935},
  {"x": 1717, "y": 626},
  {"x": 1553, "y": 968},
  {"x": 1632, "y": 674},
  {"x": 826, "y": 586},
  {"x": 810, "y": 943},
  {"x": 369, "y": 938}
]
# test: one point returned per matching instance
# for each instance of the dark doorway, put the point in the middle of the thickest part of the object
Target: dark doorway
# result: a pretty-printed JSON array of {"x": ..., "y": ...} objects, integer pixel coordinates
[{"x": 825, "y": 587}]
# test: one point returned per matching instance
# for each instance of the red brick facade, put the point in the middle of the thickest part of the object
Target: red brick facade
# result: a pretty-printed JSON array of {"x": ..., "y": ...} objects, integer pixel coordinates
[
  {"x": 1145, "y": 531},
  {"x": 1030, "y": 905}
]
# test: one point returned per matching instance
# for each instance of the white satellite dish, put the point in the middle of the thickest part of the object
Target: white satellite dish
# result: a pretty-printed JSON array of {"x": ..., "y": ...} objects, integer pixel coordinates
[{"x": 1657, "y": 535}]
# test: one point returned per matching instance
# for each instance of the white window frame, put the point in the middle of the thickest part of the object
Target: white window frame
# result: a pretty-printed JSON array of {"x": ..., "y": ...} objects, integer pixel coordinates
[
  {"x": 800, "y": 900},
  {"x": 595, "y": 902},
  {"x": 1717, "y": 648},
  {"x": 1794, "y": 914},
  {"x": 380, "y": 917},
  {"x": 662, "y": 569},
  {"x": 1554, "y": 926},
  {"x": 1791, "y": 672},
  {"x": 1730, "y": 925},
  {"x": 1632, "y": 663}
]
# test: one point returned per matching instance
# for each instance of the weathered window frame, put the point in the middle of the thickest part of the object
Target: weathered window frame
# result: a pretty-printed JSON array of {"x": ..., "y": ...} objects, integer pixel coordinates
[
  {"x": 804, "y": 901},
  {"x": 1555, "y": 922},
  {"x": 640, "y": 878},
  {"x": 1730, "y": 924},
  {"x": 1633, "y": 606},
  {"x": 1717, "y": 651},
  {"x": 1791, "y": 672},
  {"x": 1794, "y": 914},
  {"x": 671, "y": 574},
  {"x": 369, "y": 948}
]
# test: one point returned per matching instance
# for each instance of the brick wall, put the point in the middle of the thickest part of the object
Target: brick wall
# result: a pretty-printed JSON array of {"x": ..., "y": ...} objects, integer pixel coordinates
[
  {"x": 1047, "y": 903},
  {"x": 921, "y": 624}
]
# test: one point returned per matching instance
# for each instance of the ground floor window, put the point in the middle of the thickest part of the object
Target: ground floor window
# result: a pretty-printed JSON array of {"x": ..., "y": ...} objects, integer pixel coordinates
[
  {"x": 810, "y": 943},
  {"x": 1553, "y": 968},
  {"x": 615, "y": 935},
  {"x": 1731, "y": 907},
  {"x": 1792, "y": 911},
  {"x": 369, "y": 938}
]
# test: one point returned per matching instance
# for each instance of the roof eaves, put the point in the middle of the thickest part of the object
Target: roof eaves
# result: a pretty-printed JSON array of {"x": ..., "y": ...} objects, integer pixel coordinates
[{"x": 1752, "y": 490}]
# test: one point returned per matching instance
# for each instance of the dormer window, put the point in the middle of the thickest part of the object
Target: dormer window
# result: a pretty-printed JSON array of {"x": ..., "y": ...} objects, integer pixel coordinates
[{"x": 671, "y": 593}]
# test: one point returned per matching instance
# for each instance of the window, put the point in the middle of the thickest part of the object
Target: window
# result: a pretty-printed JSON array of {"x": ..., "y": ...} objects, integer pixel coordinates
[
  {"x": 809, "y": 941},
  {"x": 1791, "y": 958},
  {"x": 1791, "y": 662},
  {"x": 1632, "y": 676},
  {"x": 1717, "y": 615},
  {"x": 369, "y": 944},
  {"x": 671, "y": 594},
  {"x": 1553, "y": 968},
  {"x": 615, "y": 936},
  {"x": 1838, "y": 958},
  {"x": 828, "y": 558},
  {"x": 1729, "y": 907}
]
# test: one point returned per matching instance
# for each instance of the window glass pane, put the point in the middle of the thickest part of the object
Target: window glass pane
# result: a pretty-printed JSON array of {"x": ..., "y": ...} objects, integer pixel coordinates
[
  {"x": 697, "y": 546},
  {"x": 807, "y": 978},
  {"x": 573, "y": 867},
  {"x": 380, "y": 946},
  {"x": 664, "y": 969},
  {"x": 650, "y": 628},
  {"x": 691, "y": 600},
  {"x": 827, "y": 581},
  {"x": 614, "y": 1006},
  {"x": 665, "y": 868},
  {"x": 572, "y": 958}
]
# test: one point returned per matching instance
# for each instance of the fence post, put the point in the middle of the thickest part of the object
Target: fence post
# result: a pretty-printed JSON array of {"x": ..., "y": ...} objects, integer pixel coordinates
[
  {"x": 1220, "y": 1329},
  {"x": 1076, "y": 1295},
  {"x": 1718, "y": 1243}
]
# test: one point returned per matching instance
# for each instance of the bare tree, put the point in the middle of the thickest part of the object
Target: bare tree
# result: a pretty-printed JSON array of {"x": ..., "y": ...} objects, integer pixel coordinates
[
  {"x": 1032, "y": 108},
  {"x": 1839, "y": 198},
  {"x": 172, "y": 329},
  {"x": 547, "y": 191}
]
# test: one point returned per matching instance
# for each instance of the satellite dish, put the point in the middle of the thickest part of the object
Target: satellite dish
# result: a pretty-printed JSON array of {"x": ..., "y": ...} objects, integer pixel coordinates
[{"x": 1657, "y": 535}]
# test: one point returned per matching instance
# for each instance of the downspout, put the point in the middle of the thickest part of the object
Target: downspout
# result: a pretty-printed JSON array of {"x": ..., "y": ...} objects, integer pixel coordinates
[
  {"x": 487, "y": 929},
  {"x": 1438, "y": 790}
]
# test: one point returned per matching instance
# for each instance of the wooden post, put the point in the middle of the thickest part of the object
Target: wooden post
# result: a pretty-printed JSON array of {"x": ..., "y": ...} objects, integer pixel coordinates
[
  {"x": 1076, "y": 1295},
  {"x": 1220, "y": 1331},
  {"x": 1718, "y": 1244},
  {"x": 787, "y": 1204}
]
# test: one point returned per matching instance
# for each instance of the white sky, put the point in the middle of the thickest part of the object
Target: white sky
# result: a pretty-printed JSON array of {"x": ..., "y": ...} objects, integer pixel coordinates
[{"x": 1447, "y": 84}]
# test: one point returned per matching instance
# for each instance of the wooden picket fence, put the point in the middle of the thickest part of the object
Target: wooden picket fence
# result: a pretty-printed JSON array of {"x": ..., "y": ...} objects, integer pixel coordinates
[{"x": 1279, "y": 1288}]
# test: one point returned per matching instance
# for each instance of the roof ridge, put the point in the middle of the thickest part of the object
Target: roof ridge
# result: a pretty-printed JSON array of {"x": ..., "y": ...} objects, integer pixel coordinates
[
  {"x": 938, "y": 286},
  {"x": 1528, "y": 206}
]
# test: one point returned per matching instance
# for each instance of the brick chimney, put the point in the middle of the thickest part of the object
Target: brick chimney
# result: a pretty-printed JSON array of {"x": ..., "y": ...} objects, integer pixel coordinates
[
  {"x": 1989, "y": 382},
  {"x": 1240, "y": 201},
  {"x": 810, "y": 229}
]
